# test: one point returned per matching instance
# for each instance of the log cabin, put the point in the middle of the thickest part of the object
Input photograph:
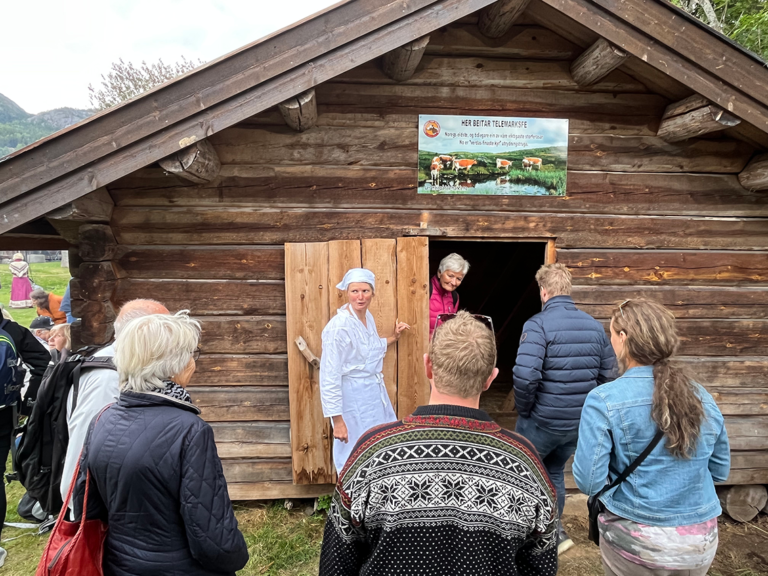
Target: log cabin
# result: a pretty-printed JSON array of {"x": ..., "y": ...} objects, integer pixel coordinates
[{"x": 244, "y": 189}]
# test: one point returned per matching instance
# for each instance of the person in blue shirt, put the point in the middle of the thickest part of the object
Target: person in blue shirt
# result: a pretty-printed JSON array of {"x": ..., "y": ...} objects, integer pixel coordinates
[
  {"x": 66, "y": 304},
  {"x": 663, "y": 518}
]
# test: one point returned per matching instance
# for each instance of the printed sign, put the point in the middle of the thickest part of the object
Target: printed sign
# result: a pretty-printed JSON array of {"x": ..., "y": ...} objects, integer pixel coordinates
[{"x": 492, "y": 155}]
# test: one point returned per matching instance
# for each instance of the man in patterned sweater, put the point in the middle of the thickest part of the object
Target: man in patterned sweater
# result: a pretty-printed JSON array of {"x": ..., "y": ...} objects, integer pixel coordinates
[{"x": 445, "y": 491}]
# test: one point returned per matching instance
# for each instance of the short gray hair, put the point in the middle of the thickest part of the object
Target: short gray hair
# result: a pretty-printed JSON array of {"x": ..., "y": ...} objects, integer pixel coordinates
[
  {"x": 453, "y": 262},
  {"x": 153, "y": 348}
]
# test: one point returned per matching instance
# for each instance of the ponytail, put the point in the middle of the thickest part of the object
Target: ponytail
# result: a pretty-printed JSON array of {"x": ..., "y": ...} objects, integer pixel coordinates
[{"x": 652, "y": 340}]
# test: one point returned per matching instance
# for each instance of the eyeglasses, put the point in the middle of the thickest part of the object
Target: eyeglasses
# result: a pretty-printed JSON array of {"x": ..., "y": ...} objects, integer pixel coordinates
[
  {"x": 486, "y": 320},
  {"x": 620, "y": 307},
  {"x": 196, "y": 354}
]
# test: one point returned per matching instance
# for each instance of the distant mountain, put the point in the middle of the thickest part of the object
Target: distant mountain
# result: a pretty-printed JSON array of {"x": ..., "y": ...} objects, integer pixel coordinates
[{"x": 19, "y": 128}]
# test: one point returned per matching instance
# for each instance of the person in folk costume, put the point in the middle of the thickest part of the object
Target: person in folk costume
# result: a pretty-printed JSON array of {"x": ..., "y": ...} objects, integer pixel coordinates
[
  {"x": 352, "y": 387},
  {"x": 21, "y": 287}
]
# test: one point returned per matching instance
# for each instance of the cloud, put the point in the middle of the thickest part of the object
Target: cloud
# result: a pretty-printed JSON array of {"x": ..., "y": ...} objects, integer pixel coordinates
[{"x": 58, "y": 48}]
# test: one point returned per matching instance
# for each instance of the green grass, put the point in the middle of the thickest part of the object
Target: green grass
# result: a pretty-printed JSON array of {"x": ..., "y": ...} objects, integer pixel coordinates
[{"x": 49, "y": 275}]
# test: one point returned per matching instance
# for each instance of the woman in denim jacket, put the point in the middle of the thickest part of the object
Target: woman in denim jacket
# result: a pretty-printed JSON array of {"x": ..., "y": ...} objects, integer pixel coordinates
[{"x": 663, "y": 519}]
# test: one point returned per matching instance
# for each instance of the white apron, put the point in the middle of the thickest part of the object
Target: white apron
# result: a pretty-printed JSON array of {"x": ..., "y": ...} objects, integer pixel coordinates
[{"x": 351, "y": 382}]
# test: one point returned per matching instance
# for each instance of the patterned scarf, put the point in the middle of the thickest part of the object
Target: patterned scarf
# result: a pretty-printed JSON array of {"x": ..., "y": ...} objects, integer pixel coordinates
[{"x": 173, "y": 390}]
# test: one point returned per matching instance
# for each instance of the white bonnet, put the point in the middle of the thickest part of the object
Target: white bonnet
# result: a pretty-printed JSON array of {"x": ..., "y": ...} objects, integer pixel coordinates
[{"x": 357, "y": 275}]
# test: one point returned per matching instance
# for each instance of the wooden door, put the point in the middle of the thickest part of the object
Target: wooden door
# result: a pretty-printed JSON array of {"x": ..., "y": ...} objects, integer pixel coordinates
[{"x": 312, "y": 271}]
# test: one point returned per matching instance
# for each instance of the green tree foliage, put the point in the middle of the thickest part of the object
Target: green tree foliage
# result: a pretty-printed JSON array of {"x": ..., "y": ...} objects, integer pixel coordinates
[
  {"x": 124, "y": 81},
  {"x": 745, "y": 21},
  {"x": 20, "y": 133}
]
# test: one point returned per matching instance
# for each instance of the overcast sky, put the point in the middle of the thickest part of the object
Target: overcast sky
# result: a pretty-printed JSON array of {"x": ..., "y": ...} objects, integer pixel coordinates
[{"x": 52, "y": 50}]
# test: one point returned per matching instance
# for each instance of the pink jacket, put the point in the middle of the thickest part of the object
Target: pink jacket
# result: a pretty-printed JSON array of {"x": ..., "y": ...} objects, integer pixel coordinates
[{"x": 440, "y": 302}]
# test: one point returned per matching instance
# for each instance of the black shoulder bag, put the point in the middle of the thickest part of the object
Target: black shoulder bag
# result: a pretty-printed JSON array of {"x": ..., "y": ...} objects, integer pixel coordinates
[{"x": 596, "y": 507}]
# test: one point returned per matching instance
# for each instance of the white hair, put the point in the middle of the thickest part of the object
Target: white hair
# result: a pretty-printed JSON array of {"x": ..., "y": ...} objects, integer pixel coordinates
[
  {"x": 454, "y": 263},
  {"x": 153, "y": 348},
  {"x": 124, "y": 317}
]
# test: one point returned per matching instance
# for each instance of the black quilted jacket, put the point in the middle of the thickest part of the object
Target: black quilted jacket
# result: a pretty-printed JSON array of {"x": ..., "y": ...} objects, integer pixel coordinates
[{"x": 157, "y": 481}]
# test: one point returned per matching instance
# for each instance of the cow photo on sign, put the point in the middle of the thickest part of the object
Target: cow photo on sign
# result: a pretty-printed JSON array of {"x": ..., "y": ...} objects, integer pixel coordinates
[{"x": 492, "y": 155}]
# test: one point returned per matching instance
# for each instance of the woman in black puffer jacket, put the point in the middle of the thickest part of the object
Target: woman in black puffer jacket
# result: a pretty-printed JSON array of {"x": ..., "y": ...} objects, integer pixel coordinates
[{"x": 156, "y": 478}]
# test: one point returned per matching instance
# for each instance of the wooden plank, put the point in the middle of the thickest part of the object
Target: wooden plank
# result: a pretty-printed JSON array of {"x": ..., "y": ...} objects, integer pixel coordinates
[
  {"x": 241, "y": 369},
  {"x": 243, "y": 335},
  {"x": 199, "y": 262},
  {"x": 381, "y": 187},
  {"x": 723, "y": 337},
  {"x": 747, "y": 433},
  {"x": 342, "y": 255},
  {"x": 380, "y": 257},
  {"x": 666, "y": 267},
  {"x": 741, "y": 402},
  {"x": 242, "y": 403},
  {"x": 736, "y": 371},
  {"x": 701, "y": 79},
  {"x": 492, "y": 72},
  {"x": 531, "y": 42},
  {"x": 412, "y": 308},
  {"x": 257, "y": 470},
  {"x": 306, "y": 294},
  {"x": 251, "y": 99},
  {"x": 684, "y": 302},
  {"x": 276, "y": 490},
  {"x": 695, "y": 123},
  {"x": 208, "y": 297},
  {"x": 248, "y": 226},
  {"x": 404, "y": 98},
  {"x": 252, "y": 439}
]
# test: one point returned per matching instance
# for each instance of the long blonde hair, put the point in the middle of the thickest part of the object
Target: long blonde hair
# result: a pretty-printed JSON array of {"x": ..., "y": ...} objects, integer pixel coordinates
[{"x": 652, "y": 340}]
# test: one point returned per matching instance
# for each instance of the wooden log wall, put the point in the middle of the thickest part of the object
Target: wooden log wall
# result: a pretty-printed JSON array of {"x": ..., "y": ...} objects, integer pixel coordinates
[{"x": 642, "y": 217}]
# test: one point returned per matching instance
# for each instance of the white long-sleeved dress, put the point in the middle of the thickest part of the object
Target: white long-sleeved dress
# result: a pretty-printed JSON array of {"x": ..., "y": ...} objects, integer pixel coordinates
[{"x": 351, "y": 382}]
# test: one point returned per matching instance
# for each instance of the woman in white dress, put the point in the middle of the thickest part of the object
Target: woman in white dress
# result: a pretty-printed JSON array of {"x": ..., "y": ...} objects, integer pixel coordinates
[{"x": 351, "y": 383}]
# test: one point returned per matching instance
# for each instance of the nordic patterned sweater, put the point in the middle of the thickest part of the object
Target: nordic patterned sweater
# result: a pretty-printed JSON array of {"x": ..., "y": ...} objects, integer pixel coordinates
[{"x": 446, "y": 491}]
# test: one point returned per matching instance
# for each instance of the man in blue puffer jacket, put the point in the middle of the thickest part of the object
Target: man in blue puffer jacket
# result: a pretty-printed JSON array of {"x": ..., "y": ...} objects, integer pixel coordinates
[{"x": 564, "y": 353}]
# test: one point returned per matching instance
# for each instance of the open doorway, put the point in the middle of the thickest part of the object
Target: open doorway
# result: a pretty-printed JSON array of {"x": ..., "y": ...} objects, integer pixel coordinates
[{"x": 500, "y": 284}]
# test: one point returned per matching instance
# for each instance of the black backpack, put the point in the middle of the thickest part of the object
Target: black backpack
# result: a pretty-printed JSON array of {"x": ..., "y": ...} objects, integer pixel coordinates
[{"x": 39, "y": 460}]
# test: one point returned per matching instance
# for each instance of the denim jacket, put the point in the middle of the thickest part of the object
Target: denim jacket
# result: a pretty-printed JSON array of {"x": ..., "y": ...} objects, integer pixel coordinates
[{"x": 615, "y": 428}]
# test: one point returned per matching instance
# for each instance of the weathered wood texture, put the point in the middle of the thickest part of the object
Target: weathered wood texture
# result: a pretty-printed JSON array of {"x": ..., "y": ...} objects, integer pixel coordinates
[
  {"x": 96, "y": 242},
  {"x": 94, "y": 207},
  {"x": 307, "y": 298},
  {"x": 198, "y": 163},
  {"x": 252, "y": 439},
  {"x": 400, "y": 64},
  {"x": 208, "y": 297},
  {"x": 276, "y": 490},
  {"x": 755, "y": 175},
  {"x": 241, "y": 370},
  {"x": 412, "y": 308},
  {"x": 201, "y": 262},
  {"x": 243, "y": 334},
  {"x": 743, "y": 503},
  {"x": 665, "y": 267},
  {"x": 163, "y": 226},
  {"x": 242, "y": 403},
  {"x": 530, "y": 42},
  {"x": 377, "y": 187},
  {"x": 597, "y": 62},
  {"x": 380, "y": 257},
  {"x": 696, "y": 122},
  {"x": 496, "y": 19},
  {"x": 300, "y": 112}
]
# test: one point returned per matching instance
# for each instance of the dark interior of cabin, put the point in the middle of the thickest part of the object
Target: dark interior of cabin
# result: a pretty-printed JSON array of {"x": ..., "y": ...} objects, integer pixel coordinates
[{"x": 500, "y": 284}]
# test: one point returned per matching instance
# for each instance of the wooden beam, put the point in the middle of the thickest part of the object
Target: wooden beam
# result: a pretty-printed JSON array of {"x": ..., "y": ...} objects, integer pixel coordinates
[
  {"x": 300, "y": 112},
  {"x": 692, "y": 117},
  {"x": 17, "y": 242},
  {"x": 755, "y": 175},
  {"x": 497, "y": 18},
  {"x": 94, "y": 207},
  {"x": 597, "y": 62},
  {"x": 198, "y": 163},
  {"x": 400, "y": 63}
]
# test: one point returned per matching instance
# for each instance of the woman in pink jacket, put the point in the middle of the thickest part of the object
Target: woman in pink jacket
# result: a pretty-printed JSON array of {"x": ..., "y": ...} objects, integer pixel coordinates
[{"x": 443, "y": 298}]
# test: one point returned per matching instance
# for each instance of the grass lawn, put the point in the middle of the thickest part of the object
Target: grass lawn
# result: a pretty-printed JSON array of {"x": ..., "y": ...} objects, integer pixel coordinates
[{"x": 49, "y": 275}]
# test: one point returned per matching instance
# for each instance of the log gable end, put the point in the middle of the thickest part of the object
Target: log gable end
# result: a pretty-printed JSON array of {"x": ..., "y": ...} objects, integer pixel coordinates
[{"x": 644, "y": 216}]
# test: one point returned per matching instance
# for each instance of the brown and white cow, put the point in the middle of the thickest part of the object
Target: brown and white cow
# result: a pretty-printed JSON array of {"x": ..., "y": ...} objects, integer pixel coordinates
[
  {"x": 434, "y": 170},
  {"x": 501, "y": 163},
  {"x": 531, "y": 163},
  {"x": 465, "y": 164},
  {"x": 447, "y": 161}
]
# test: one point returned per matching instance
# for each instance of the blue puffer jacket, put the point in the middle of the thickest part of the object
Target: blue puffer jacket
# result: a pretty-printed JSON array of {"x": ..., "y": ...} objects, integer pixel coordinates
[
  {"x": 564, "y": 353},
  {"x": 157, "y": 481}
]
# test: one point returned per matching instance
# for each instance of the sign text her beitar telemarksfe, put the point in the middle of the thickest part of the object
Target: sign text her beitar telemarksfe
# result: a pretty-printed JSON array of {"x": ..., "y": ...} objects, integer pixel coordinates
[{"x": 494, "y": 123}]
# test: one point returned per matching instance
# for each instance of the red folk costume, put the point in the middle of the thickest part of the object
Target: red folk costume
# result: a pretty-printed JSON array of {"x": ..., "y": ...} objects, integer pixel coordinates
[
  {"x": 441, "y": 301},
  {"x": 21, "y": 287}
]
